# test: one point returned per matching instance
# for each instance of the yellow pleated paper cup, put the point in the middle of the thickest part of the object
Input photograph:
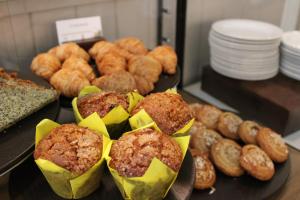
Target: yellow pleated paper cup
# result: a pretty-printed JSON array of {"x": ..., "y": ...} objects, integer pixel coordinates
[
  {"x": 157, "y": 180},
  {"x": 63, "y": 182},
  {"x": 116, "y": 120}
]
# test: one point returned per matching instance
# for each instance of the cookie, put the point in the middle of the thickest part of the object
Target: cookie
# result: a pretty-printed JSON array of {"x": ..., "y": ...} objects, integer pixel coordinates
[
  {"x": 208, "y": 115},
  {"x": 247, "y": 131},
  {"x": 228, "y": 125}
]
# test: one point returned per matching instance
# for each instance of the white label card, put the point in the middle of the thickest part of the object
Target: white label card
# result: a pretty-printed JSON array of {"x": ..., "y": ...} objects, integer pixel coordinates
[{"x": 78, "y": 29}]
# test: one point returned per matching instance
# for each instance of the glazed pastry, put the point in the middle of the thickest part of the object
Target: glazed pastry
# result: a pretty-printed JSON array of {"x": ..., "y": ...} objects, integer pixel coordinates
[
  {"x": 228, "y": 125},
  {"x": 100, "y": 48},
  {"x": 110, "y": 63},
  {"x": 45, "y": 65},
  {"x": 146, "y": 67},
  {"x": 205, "y": 172},
  {"x": 168, "y": 110},
  {"x": 226, "y": 156},
  {"x": 75, "y": 63},
  {"x": 257, "y": 163},
  {"x": 69, "y": 82},
  {"x": 66, "y": 50},
  {"x": 208, "y": 115},
  {"x": 273, "y": 144},
  {"x": 202, "y": 138},
  {"x": 132, "y": 154},
  {"x": 132, "y": 45},
  {"x": 247, "y": 131},
  {"x": 143, "y": 85},
  {"x": 195, "y": 109},
  {"x": 122, "y": 82},
  {"x": 167, "y": 58}
]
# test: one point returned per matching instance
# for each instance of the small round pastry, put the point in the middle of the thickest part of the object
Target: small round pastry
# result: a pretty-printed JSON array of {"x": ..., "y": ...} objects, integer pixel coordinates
[
  {"x": 76, "y": 63},
  {"x": 101, "y": 103},
  {"x": 145, "y": 66},
  {"x": 168, "y": 110},
  {"x": 111, "y": 63},
  {"x": 228, "y": 125},
  {"x": 202, "y": 138},
  {"x": 66, "y": 50},
  {"x": 69, "y": 82},
  {"x": 101, "y": 48},
  {"x": 208, "y": 115},
  {"x": 131, "y": 154},
  {"x": 205, "y": 172},
  {"x": 257, "y": 163},
  {"x": 71, "y": 147},
  {"x": 226, "y": 156},
  {"x": 132, "y": 45},
  {"x": 121, "y": 81},
  {"x": 167, "y": 58},
  {"x": 45, "y": 65},
  {"x": 273, "y": 144},
  {"x": 195, "y": 109},
  {"x": 247, "y": 131},
  {"x": 143, "y": 85}
]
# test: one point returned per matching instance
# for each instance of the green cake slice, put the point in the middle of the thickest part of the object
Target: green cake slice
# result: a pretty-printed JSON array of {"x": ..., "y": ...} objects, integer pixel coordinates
[{"x": 20, "y": 98}]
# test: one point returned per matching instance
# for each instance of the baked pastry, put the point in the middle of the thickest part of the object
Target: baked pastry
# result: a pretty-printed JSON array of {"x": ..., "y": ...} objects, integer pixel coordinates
[
  {"x": 20, "y": 98},
  {"x": 100, "y": 48},
  {"x": 69, "y": 82},
  {"x": 131, "y": 155},
  {"x": 205, "y": 172},
  {"x": 110, "y": 63},
  {"x": 122, "y": 82},
  {"x": 273, "y": 144},
  {"x": 145, "y": 66},
  {"x": 195, "y": 109},
  {"x": 45, "y": 65},
  {"x": 228, "y": 125},
  {"x": 247, "y": 131},
  {"x": 101, "y": 103},
  {"x": 257, "y": 163},
  {"x": 66, "y": 50},
  {"x": 202, "y": 138},
  {"x": 168, "y": 110},
  {"x": 226, "y": 156},
  {"x": 143, "y": 85},
  {"x": 75, "y": 63},
  {"x": 208, "y": 115},
  {"x": 132, "y": 45},
  {"x": 167, "y": 58},
  {"x": 71, "y": 147}
]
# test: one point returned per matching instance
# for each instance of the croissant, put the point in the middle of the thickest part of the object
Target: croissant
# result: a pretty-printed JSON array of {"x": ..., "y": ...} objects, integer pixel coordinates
[
  {"x": 75, "y": 63},
  {"x": 100, "y": 48},
  {"x": 110, "y": 63},
  {"x": 69, "y": 82},
  {"x": 45, "y": 65},
  {"x": 132, "y": 45},
  {"x": 167, "y": 58},
  {"x": 143, "y": 85},
  {"x": 66, "y": 50}
]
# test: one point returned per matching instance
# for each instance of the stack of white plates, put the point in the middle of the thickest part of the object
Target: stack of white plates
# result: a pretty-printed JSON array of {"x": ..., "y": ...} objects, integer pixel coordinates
[
  {"x": 290, "y": 54},
  {"x": 245, "y": 49}
]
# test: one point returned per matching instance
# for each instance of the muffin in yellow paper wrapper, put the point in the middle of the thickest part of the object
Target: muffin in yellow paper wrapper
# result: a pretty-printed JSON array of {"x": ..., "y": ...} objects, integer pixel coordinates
[
  {"x": 157, "y": 180},
  {"x": 117, "y": 119},
  {"x": 63, "y": 182},
  {"x": 142, "y": 118}
]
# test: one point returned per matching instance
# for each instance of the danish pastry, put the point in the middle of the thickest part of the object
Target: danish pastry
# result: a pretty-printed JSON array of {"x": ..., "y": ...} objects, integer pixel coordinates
[
  {"x": 66, "y": 50},
  {"x": 195, "y": 109},
  {"x": 228, "y": 125},
  {"x": 45, "y": 65},
  {"x": 110, "y": 63},
  {"x": 257, "y": 163},
  {"x": 208, "y": 115},
  {"x": 132, "y": 45},
  {"x": 273, "y": 144},
  {"x": 75, "y": 63},
  {"x": 247, "y": 131},
  {"x": 100, "y": 48},
  {"x": 226, "y": 156}
]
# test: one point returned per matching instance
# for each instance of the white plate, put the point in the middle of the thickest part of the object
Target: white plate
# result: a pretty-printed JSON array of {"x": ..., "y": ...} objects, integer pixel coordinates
[
  {"x": 289, "y": 63},
  {"x": 290, "y": 68},
  {"x": 290, "y": 58},
  {"x": 290, "y": 74},
  {"x": 245, "y": 29},
  {"x": 292, "y": 40}
]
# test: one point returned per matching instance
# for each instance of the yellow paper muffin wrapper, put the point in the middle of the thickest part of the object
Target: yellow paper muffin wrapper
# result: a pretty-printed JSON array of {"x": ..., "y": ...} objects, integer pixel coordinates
[
  {"x": 116, "y": 119},
  {"x": 142, "y": 118},
  {"x": 157, "y": 180},
  {"x": 63, "y": 182}
]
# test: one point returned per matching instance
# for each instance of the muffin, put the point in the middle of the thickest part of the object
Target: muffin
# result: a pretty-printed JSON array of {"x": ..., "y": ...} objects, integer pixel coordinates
[
  {"x": 71, "y": 147},
  {"x": 132, "y": 154},
  {"x": 168, "y": 110},
  {"x": 101, "y": 103}
]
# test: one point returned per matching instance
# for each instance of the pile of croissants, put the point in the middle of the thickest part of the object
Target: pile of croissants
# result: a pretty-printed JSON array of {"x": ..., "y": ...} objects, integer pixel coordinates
[{"x": 124, "y": 65}]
